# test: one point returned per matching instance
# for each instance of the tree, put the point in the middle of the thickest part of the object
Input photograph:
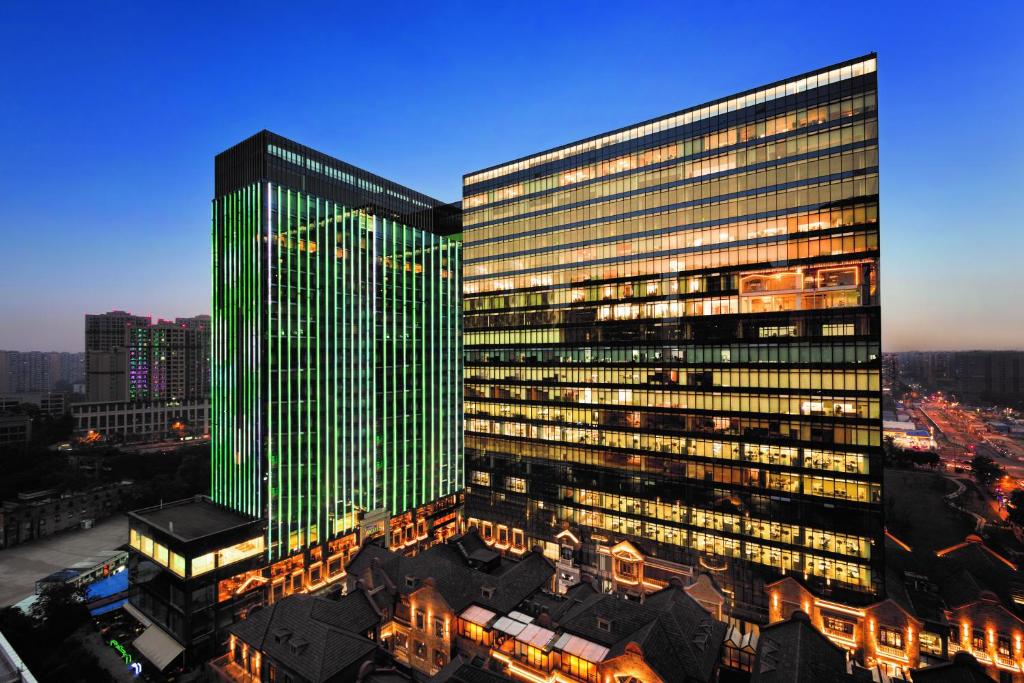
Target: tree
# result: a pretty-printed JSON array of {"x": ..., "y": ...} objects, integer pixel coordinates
[
  {"x": 986, "y": 471},
  {"x": 46, "y": 640},
  {"x": 61, "y": 610}
]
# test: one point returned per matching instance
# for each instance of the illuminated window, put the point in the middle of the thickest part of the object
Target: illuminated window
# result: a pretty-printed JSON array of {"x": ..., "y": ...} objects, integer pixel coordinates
[
  {"x": 777, "y": 331},
  {"x": 838, "y": 330},
  {"x": 931, "y": 643},
  {"x": 516, "y": 484},
  {"x": 891, "y": 637},
  {"x": 240, "y": 551},
  {"x": 203, "y": 563},
  {"x": 146, "y": 545},
  {"x": 177, "y": 564},
  {"x": 133, "y": 538},
  {"x": 160, "y": 554}
]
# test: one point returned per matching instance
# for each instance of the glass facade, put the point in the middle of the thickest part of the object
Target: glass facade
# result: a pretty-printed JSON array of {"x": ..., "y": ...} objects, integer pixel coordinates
[
  {"x": 337, "y": 385},
  {"x": 672, "y": 337}
]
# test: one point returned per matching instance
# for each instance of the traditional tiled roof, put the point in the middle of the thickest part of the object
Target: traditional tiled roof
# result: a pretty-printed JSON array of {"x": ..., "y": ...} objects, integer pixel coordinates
[
  {"x": 678, "y": 638},
  {"x": 301, "y": 634},
  {"x": 502, "y": 589},
  {"x": 794, "y": 651}
]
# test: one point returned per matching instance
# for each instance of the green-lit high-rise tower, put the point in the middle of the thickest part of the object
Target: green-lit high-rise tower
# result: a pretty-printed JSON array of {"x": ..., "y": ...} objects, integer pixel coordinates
[{"x": 337, "y": 353}]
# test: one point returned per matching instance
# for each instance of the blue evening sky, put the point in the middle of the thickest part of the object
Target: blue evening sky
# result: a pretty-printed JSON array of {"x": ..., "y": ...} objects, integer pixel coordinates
[{"x": 111, "y": 114}]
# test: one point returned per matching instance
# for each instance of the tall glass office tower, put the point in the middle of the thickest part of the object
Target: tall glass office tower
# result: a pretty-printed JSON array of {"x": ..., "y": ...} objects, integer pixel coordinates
[
  {"x": 672, "y": 344},
  {"x": 337, "y": 352}
]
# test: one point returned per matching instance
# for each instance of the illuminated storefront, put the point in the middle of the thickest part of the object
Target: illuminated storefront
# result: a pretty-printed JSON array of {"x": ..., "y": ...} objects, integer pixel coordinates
[{"x": 672, "y": 338}]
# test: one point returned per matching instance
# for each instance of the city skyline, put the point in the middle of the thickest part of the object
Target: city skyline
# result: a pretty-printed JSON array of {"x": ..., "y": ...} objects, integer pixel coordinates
[
  {"x": 145, "y": 198},
  {"x": 523, "y": 343}
]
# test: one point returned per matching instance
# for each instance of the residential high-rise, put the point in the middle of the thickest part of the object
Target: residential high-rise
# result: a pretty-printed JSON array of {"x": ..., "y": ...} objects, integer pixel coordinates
[
  {"x": 169, "y": 360},
  {"x": 337, "y": 356},
  {"x": 672, "y": 345},
  {"x": 106, "y": 340},
  {"x": 129, "y": 358},
  {"x": 970, "y": 376},
  {"x": 39, "y": 371}
]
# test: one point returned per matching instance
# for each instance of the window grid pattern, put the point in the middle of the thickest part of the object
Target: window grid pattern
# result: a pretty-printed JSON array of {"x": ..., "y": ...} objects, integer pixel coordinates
[{"x": 677, "y": 343}]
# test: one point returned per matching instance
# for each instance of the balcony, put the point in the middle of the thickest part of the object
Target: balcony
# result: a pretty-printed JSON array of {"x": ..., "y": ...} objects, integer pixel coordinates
[
  {"x": 889, "y": 651},
  {"x": 229, "y": 671},
  {"x": 1009, "y": 663}
]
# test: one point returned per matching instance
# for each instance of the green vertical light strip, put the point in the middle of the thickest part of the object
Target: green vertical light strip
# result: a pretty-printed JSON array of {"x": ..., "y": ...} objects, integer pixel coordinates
[
  {"x": 216, "y": 402},
  {"x": 404, "y": 366},
  {"x": 322, "y": 475},
  {"x": 302, "y": 291},
  {"x": 342, "y": 284},
  {"x": 422, "y": 348},
  {"x": 267, "y": 366},
  {"x": 459, "y": 481},
  {"x": 332, "y": 340},
  {"x": 289, "y": 376},
  {"x": 281, "y": 301},
  {"x": 232, "y": 365}
]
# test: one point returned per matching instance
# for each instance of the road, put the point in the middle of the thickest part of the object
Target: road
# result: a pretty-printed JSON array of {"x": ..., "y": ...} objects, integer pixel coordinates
[{"x": 22, "y": 565}]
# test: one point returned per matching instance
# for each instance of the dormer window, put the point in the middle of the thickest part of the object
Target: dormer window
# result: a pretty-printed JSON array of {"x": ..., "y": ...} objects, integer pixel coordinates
[
  {"x": 604, "y": 624},
  {"x": 410, "y": 581},
  {"x": 487, "y": 591}
]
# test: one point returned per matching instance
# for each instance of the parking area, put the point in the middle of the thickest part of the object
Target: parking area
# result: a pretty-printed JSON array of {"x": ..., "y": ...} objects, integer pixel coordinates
[{"x": 22, "y": 565}]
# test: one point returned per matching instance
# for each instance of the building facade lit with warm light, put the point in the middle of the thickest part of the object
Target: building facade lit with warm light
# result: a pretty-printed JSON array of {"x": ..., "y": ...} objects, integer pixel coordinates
[
  {"x": 337, "y": 356},
  {"x": 672, "y": 338},
  {"x": 887, "y": 634}
]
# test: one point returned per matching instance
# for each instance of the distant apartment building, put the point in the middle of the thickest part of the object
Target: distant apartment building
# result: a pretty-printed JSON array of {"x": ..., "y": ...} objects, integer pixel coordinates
[
  {"x": 972, "y": 376},
  {"x": 39, "y": 371},
  {"x": 128, "y": 357},
  {"x": 169, "y": 360},
  {"x": 106, "y": 337},
  {"x": 145, "y": 380}
]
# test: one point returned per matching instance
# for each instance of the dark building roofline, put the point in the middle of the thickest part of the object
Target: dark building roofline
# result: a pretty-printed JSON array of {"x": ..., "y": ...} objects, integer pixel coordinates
[
  {"x": 267, "y": 156},
  {"x": 695, "y": 107}
]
